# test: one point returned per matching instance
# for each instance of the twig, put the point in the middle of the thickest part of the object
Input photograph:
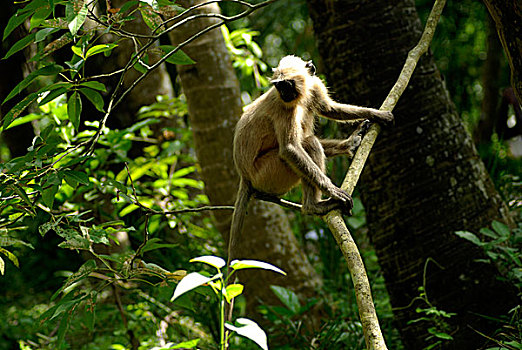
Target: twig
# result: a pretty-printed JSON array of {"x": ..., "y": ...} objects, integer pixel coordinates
[
  {"x": 115, "y": 100},
  {"x": 372, "y": 332}
]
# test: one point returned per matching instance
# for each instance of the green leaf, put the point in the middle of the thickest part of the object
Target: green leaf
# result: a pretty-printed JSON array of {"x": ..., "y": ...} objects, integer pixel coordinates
[
  {"x": 83, "y": 272},
  {"x": 288, "y": 298},
  {"x": 254, "y": 264},
  {"x": 95, "y": 97},
  {"x": 470, "y": 237},
  {"x": 6, "y": 241},
  {"x": 232, "y": 291},
  {"x": 74, "y": 109},
  {"x": 51, "y": 69},
  {"x": 21, "y": 192},
  {"x": 10, "y": 256},
  {"x": 99, "y": 49},
  {"x": 488, "y": 232},
  {"x": 500, "y": 228},
  {"x": 78, "y": 51},
  {"x": 250, "y": 330},
  {"x": 77, "y": 176},
  {"x": 39, "y": 16},
  {"x": 439, "y": 334},
  {"x": 79, "y": 18},
  {"x": 215, "y": 261},
  {"x": 18, "y": 18},
  {"x": 189, "y": 282},
  {"x": 18, "y": 109},
  {"x": 191, "y": 344},
  {"x": 151, "y": 19},
  {"x": 52, "y": 95},
  {"x": 153, "y": 244},
  {"x": 2, "y": 266},
  {"x": 44, "y": 33},
  {"x": 96, "y": 85},
  {"x": 48, "y": 195},
  {"x": 20, "y": 45},
  {"x": 178, "y": 57}
]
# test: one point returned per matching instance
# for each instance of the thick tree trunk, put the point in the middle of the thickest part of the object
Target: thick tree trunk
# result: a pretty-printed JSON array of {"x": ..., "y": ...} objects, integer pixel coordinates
[
  {"x": 508, "y": 19},
  {"x": 214, "y": 103},
  {"x": 424, "y": 179},
  {"x": 18, "y": 138},
  {"x": 491, "y": 86}
]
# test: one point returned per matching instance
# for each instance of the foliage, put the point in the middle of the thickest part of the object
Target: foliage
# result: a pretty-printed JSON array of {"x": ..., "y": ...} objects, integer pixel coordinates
[
  {"x": 227, "y": 292},
  {"x": 502, "y": 246}
]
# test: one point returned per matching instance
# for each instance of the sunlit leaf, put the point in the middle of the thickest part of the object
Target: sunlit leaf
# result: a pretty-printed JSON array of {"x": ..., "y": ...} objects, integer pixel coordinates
[
  {"x": 232, "y": 291},
  {"x": 254, "y": 264},
  {"x": 78, "y": 51},
  {"x": 215, "y": 261},
  {"x": 99, "y": 49},
  {"x": 250, "y": 330},
  {"x": 189, "y": 282}
]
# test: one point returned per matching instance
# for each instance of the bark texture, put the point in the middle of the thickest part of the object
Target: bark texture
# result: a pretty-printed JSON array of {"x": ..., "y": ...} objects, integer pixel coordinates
[
  {"x": 508, "y": 19},
  {"x": 214, "y": 104},
  {"x": 424, "y": 179}
]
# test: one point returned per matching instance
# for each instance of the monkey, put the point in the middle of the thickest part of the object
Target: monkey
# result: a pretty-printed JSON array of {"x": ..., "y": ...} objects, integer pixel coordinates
[{"x": 275, "y": 148}]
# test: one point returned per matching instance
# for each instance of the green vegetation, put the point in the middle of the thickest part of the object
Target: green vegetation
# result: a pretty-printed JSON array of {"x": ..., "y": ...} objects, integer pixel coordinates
[{"x": 96, "y": 230}]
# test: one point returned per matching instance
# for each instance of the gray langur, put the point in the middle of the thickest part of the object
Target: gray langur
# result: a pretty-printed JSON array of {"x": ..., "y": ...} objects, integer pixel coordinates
[{"x": 275, "y": 147}]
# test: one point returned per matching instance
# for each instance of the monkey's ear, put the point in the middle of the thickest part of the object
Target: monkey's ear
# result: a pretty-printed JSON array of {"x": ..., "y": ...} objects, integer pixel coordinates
[{"x": 310, "y": 66}]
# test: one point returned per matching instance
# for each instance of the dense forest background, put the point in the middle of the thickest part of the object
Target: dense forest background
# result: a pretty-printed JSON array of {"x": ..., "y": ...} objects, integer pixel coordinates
[{"x": 101, "y": 177}]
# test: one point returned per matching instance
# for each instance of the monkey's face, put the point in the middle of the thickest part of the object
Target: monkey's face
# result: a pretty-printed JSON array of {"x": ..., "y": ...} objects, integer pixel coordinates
[{"x": 286, "y": 89}]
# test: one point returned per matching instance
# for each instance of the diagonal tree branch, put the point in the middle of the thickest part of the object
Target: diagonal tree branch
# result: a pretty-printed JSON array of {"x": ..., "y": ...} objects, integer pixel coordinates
[{"x": 372, "y": 332}]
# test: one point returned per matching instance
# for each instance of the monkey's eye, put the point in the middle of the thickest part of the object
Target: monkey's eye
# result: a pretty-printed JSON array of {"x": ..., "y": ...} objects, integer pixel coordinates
[{"x": 311, "y": 68}]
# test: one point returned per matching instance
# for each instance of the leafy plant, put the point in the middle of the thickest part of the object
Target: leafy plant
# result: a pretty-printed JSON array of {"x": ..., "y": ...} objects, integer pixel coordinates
[
  {"x": 502, "y": 247},
  {"x": 225, "y": 291},
  {"x": 439, "y": 329}
]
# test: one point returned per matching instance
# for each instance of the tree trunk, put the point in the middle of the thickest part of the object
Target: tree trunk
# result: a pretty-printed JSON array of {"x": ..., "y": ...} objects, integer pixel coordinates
[
  {"x": 508, "y": 19},
  {"x": 491, "y": 86},
  {"x": 214, "y": 104},
  {"x": 12, "y": 71},
  {"x": 423, "y": 180}
]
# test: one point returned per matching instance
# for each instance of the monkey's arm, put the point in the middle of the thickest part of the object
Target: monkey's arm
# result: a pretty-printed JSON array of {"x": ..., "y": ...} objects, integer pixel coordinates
[
  {"x": 345, "y": 147},
  {"x": 325, "y": 106},
  {"x": 292, "y": 152}
]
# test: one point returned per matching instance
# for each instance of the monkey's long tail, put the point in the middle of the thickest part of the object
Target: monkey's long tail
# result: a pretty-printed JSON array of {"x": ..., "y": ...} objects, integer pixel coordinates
[{"x": 240, "y": 208}]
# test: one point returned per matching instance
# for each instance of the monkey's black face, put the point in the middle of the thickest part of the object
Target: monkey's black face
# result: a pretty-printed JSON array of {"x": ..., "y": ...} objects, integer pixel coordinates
[{"x": 286, "y": 89}]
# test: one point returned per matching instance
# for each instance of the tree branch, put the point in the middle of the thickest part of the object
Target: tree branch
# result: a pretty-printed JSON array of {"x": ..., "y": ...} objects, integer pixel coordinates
[{"x": 372, "y": 332}]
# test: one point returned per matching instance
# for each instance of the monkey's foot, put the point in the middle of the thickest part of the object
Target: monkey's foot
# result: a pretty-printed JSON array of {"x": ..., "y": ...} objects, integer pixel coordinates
[{"x": 327, "y": 205}]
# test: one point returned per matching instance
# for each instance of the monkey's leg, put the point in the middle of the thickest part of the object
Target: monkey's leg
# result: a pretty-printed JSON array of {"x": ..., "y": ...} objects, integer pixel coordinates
[
  {"x": 312, "y": 202},
  {"x": 275, "y": 199},
  {"x": 348, "y": 146}
]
